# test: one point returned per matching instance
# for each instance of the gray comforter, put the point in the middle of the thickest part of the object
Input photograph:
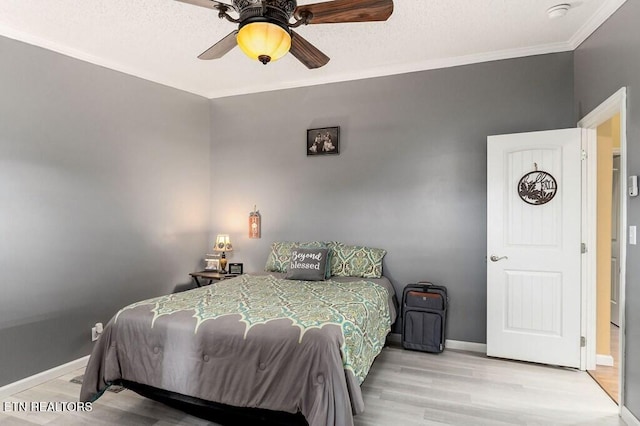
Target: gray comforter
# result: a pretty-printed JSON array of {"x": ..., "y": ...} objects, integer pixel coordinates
[{"x": 252, "y": 341}]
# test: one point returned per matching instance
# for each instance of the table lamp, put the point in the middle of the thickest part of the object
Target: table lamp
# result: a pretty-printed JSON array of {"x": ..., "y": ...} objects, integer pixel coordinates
[{"x": 223, "y": 244}]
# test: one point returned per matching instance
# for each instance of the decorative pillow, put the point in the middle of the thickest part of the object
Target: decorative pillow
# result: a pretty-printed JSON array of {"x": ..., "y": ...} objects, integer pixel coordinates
[
  {"x": 280, "y": 256},
  {"x": 309, "y": 264},
  {"x": 321, "y": 244},
  {"x": 332, "y": 245},
  {"x": 357, "y": 261},
  {"x": 313, "y": 244}
]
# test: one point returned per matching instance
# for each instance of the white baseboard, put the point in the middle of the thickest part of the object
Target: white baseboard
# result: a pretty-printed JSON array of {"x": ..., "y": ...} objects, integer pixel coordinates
[
  {"x": 604, "y": 360},
  {"x": 628, "y": 417},
  {"x": 466, "y": 346},
  {"x": 448, "y": 344},
  {"x": 45, "y": 376}
]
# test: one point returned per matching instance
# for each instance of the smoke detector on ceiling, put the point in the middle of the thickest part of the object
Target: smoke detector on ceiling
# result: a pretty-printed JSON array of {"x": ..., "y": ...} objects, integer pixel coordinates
[{"x": 558, "y": 11}]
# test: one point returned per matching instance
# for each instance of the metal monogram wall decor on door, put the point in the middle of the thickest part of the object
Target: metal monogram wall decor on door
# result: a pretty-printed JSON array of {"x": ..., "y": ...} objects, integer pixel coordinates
[{"x": 537, "y": 187}]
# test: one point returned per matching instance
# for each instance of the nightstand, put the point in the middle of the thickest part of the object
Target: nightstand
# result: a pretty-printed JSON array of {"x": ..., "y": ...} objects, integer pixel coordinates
[{"x": 211, "y": 276}]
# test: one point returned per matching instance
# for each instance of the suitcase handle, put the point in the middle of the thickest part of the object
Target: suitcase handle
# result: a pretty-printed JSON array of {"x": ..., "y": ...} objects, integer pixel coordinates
[
  {"x": 429, "y": 284},
  {"x": 423, "y": 294},
  {"x": 426, "y": 284}
]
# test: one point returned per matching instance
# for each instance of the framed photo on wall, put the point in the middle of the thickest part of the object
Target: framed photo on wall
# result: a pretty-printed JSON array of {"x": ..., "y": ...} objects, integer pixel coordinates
[{"x": 324, "y": 141}]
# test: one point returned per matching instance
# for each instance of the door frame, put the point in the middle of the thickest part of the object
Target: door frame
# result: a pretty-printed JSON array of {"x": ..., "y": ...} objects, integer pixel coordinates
[{"x": 616, "y": 103}]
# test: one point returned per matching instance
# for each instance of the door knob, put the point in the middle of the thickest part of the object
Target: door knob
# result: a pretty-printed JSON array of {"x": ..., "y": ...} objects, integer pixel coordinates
[{"x": 495, "y": 258}]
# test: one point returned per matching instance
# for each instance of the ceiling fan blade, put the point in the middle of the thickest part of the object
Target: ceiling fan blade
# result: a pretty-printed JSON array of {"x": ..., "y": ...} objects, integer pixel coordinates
[
  {"x": 306, "y": 52},
  {"x": 209, "y": 4},
  {"x": 221, "y": 48},
  {"x": 337, "y": 11}
]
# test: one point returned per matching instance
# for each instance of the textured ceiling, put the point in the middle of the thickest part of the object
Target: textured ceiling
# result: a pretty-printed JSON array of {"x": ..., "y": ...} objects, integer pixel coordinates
[{"x": 159, "y": 39}]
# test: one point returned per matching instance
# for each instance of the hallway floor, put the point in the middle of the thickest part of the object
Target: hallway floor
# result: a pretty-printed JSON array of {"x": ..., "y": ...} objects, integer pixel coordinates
[{"x": 607, "y": 377}]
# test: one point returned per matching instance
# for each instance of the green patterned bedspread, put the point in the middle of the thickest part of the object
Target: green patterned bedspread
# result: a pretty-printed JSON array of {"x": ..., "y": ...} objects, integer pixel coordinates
[{"x": 359, "y": 308}]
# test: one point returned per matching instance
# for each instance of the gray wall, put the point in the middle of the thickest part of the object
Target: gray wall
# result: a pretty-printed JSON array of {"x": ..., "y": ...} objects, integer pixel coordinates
[
  {"x": 104, "y": 200},
  {"x": 410, "y": 177},
  {"x": 607, "y": 61}
]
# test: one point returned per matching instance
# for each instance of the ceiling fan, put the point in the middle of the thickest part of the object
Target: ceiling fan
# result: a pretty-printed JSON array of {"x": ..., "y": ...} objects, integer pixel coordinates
[{"x": 265, "y": 28}]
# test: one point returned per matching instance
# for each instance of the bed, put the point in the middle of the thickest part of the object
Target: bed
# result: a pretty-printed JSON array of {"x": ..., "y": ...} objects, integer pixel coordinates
[{"x": 258, "y": 341}]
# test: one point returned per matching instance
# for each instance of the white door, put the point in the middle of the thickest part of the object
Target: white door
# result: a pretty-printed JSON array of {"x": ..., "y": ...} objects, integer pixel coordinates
[{"x": 534, "y": 247}]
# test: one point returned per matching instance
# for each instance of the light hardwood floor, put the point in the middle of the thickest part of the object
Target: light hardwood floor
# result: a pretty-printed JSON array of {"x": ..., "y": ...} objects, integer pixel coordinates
[
  {"x": 404, "y": 388},
  {"x": 608, "y": 377}
]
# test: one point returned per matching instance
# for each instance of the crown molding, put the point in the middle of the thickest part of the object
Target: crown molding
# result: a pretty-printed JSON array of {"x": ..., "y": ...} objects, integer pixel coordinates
[
  {"x": 14, "y": 34},
  {"x": 607, "y": 9},
  {"x": 399, "y": 69}
]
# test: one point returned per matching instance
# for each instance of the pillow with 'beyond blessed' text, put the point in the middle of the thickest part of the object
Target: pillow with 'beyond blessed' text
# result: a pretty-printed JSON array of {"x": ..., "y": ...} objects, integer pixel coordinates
[
  {"x": 280, "y": 254},
  {"x": 308, "y": 264}
]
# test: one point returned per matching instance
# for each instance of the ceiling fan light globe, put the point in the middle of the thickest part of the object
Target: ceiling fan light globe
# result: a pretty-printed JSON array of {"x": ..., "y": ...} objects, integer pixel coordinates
[{"x": 264, "y": 39}]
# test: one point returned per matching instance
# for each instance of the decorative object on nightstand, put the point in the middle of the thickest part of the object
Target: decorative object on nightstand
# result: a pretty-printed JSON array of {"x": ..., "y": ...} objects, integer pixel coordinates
[
  {"x": 212, "y": 262},
  {"x": 223, "y": 244},
  {"x": 235, "y": 269}
]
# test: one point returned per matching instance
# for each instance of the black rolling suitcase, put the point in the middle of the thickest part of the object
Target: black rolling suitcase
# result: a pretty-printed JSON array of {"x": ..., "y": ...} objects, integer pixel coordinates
[{"x": 424, "y": 314}]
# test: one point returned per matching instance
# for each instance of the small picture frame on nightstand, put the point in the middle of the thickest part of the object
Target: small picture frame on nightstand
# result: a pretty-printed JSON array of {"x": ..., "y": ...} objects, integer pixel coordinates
[
  {"x": 235, "y": 268},
  {"x": 212, "y": 262},
  {"x": 211, "y": 265}
]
